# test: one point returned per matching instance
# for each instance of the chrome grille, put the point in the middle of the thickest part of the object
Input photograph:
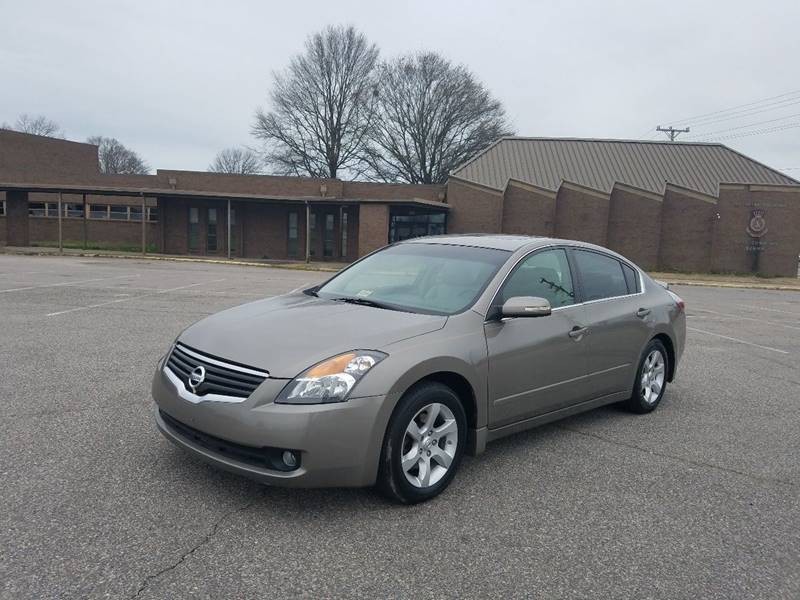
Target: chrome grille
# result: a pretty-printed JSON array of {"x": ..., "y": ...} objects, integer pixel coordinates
[{"x": 222, "y": 377}]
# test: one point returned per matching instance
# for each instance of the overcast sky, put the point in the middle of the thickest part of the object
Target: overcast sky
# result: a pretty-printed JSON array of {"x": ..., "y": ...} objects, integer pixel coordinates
[{"x": 178, "y": 81}]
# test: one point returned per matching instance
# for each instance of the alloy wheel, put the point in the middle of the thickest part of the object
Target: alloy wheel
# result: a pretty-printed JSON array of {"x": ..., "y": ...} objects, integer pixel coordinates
[
  {"x": 653, "y": 372},
  {"x": 429, "y": 445}
]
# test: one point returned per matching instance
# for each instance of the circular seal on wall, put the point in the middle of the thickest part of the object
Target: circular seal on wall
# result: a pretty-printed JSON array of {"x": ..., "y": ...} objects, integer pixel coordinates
[{"x": 757, "y": 226}]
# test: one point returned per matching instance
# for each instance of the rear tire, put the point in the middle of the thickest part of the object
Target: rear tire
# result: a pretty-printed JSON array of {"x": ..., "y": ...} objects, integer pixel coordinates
[
  {"x": 651, "y": 379},
  {"x": 423, "y": 445}
]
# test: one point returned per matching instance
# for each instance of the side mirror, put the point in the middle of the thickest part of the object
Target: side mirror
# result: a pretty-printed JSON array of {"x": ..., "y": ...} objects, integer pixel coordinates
[{"x": 525, "y": 306}]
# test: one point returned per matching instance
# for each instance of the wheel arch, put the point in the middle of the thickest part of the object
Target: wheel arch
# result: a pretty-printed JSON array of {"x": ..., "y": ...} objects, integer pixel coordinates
[{"x": 665, "y": 339}]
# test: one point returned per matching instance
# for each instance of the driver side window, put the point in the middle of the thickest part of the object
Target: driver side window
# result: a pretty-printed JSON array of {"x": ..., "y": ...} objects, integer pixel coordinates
[{"x": 544, "y": 274}]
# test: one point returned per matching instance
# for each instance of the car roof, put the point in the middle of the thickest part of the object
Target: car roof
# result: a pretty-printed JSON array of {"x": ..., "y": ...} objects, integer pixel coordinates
[{"x": 510, "y": 243}]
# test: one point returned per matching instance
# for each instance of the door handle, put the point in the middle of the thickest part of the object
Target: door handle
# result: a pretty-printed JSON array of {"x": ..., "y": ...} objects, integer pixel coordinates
[
  {"x": 642, "y": 312},
  {"x": 576, "y": 333}
]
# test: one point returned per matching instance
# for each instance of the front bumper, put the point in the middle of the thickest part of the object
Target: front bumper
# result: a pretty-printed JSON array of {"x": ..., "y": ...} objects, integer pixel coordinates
[{"x": 339, "y": 444}]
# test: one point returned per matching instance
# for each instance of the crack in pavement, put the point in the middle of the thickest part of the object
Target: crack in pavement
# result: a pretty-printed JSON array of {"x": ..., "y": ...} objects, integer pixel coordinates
[
  {"x": 680, "y": 458},
  {"x": 208, "y": 537}
]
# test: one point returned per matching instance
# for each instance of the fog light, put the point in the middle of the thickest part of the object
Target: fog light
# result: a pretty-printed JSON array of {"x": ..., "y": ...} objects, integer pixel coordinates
[{"x": 289, "y": 459}]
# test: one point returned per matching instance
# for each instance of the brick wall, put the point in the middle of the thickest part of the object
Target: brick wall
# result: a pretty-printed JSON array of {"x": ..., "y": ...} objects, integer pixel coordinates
[
  {"x": 16, "y": 221},
  {"x": 687, "y": 224},
  {"x": 773, "y": 253},
  {"x": 266, "y": 227},
  {"x": 44, "y": 230},
  {"x": 33, "y": 158},
  {"x": 581, "y": 214},
  {"x": 373, "y": 230},
  {"x": 392, "y": 191},
  {"x": 473, "y": 209},
  {"x": 251, "y": 184},
  {"x": 634, "y": 225},
  {"x": 528, "y": 210}
]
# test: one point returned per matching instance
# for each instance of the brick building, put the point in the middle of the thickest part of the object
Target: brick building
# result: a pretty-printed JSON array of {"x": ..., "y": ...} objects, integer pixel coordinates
[{"x": 678, "y": 206}]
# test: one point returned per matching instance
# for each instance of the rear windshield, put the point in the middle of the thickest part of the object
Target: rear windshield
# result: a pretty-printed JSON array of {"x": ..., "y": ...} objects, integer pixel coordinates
[{"x": 427, "y": 278}]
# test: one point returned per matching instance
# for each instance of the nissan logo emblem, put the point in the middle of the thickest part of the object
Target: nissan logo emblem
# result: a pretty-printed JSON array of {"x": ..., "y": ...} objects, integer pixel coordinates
[{"x": 196, "y": 377}]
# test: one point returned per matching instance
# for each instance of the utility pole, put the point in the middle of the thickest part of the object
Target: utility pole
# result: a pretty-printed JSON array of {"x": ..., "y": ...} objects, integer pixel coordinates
[{"x": 672, "y": 132}]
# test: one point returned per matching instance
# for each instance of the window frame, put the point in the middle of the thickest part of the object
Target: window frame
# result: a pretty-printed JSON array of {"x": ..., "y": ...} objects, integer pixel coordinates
[
  {"x": 638, "y": 275},
  {"x": 212, "y": 248},
  {"x": 577, "y": 282},
  {"x": 494, "y": 306}
]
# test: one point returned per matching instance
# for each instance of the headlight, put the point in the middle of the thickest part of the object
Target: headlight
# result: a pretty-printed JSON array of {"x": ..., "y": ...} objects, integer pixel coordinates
[{"x": 331, "y": 380}]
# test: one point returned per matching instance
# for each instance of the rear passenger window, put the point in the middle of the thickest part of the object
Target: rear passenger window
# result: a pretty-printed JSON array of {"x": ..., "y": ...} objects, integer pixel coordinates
[
  {"x": 630, "y": 278},
  {"x": 602, "y": 276},
  {"x": 543, "y": 274}
]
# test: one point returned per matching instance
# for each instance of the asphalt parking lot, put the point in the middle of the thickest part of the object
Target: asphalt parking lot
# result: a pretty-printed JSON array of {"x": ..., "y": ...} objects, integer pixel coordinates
[{"x": 700, "y": 499}]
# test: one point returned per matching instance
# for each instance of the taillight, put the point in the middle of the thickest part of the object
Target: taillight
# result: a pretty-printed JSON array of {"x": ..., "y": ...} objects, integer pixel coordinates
[{"x": 678, "y": 300}]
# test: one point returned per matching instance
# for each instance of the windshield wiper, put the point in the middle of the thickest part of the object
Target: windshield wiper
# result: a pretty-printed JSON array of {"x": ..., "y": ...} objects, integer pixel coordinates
[{"x": 364, "y": 302}]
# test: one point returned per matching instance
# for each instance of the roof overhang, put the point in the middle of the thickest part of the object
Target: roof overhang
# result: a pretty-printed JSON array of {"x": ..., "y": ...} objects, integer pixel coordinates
[{"x": 53, "y": 188}]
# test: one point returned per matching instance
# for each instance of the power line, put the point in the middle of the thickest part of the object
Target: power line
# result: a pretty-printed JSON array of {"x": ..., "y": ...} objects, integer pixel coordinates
[
  {"x": 710, "y": 133},
  {"x": 749, "y": 133},
  {"x": 716, "y": 112},
  {"x": 750, "y": 111},
  {"x": 741, "y": 110}
]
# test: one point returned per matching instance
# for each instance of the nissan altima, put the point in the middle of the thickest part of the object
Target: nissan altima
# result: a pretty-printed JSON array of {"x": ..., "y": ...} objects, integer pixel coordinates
[{"x": 390, "y": 371}]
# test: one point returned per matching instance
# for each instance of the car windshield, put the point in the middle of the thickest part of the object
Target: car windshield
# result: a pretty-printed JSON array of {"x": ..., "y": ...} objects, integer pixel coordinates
[{"x": 427, "y": 278}]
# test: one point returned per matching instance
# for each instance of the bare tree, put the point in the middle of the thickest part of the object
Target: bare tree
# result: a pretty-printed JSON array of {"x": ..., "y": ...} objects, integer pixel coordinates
[
  {"x": 322, "y": 106},
  {"x": 116, "y": 158},
  {"x": 431, "y": 117},
  {"x": 37, "y": 125},
  {"x": 242, "y": 161}
]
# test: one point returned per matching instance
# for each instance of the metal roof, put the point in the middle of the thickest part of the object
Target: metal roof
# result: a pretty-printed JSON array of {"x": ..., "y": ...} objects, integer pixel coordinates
[{"x": 599, "y": 164}]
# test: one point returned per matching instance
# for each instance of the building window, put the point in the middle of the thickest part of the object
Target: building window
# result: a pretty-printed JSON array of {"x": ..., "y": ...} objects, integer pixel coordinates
[
  {"x": 135, "y": 213},
  {"x": 74, "y": 211},
  {"x": 194, "y": 229},
  {"x": 328, "y": 240},
  {"x": 211, "y": 239},
  {"x": 51, "y": 209},
  {"x": 98, "y": 211},
  {"x": 37, "y": 209},
  {"x": 344, "y": 233},
  {"x": 405, "y": 223},
  {"x": 3, "y": 208},
  {"x": 292, "y": 234},
  {"x": 152, "y": 213},
  {"x": 118, "y": 213}
]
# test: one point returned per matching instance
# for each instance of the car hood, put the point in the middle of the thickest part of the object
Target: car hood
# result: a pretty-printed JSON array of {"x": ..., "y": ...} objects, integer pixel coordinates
[{"x": 287, "y": 334}]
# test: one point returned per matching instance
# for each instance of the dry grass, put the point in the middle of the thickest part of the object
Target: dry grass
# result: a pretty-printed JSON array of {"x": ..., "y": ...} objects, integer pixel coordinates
[{"x": 724, "y": 280}]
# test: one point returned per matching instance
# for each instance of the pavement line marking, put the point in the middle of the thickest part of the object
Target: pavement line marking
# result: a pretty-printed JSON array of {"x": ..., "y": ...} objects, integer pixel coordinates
[
  {"x": 733, "y": 339},
  {"x": 713, "y": 312},
  {"x": 49, "y": 285},
  {"x": 183, "y": 287},
  {"x": 786, "y": 312}
]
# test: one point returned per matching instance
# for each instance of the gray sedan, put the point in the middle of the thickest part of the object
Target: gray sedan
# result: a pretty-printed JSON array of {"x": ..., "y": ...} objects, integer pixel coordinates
[{"x": 396, "y": 366}]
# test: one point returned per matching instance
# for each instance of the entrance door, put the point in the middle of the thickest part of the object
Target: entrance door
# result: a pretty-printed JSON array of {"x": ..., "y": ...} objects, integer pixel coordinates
[{"x": 537, "y": 364}]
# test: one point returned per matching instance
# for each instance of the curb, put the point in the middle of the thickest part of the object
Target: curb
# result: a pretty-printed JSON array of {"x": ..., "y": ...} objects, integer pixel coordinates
[
  {"x": 722, "y": 284},
  {"x": 212, "y": 261}
]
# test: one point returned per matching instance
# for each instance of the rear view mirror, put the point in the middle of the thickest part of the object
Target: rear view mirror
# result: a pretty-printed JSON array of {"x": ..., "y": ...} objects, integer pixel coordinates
[{"x": 525, "y": 306}]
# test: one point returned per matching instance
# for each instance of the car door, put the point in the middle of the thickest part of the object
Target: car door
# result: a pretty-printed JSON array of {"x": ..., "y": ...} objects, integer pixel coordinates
[
  {"x": 619, "y": 324},
  {"x": 536, "y": 364}
]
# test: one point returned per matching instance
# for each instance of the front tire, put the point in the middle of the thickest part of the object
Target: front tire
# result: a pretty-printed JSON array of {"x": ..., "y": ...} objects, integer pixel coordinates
[
  {"x": 423, "y": 445},
  {"x": 651, "y": 379}
]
